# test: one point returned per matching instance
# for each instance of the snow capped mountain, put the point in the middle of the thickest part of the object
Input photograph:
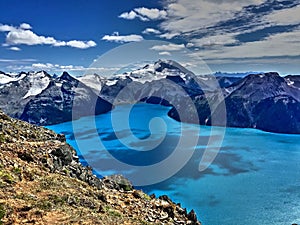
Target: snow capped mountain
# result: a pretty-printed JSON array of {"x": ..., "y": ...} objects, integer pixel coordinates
[
  {"x": 158, "y": 70},
  {"x": 38, "y": 98},
  {"x": 265, "y": 100},
  {"x": 163, "y": 78}
]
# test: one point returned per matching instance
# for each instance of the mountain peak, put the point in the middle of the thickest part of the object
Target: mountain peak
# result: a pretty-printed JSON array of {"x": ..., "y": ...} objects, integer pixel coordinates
[
  {"x": 66, "y": 77},
  {"x": 170, "y": 65}
]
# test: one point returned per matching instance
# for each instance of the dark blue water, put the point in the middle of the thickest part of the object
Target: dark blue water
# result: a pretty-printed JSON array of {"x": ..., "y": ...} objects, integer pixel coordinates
[{"x": 254, "y": 179}]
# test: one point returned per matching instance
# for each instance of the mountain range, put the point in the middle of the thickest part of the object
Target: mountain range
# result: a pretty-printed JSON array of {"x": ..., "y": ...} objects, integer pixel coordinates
[{"x": 264, "y": 101}]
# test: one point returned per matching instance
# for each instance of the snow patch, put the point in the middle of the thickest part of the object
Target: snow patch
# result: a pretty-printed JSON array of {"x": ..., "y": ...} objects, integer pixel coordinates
[
  {"x": 5, "y": 79},
  {"x": 111, "y": 82},
  {"x": 39, "y": 82},
  {"x": 92, "y": 81},
  {"x": 290, "y": 82}
]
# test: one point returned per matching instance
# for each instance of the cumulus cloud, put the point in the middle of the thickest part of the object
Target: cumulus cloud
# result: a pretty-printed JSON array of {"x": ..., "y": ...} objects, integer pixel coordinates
[
  {"x": 6, "y": 28},
  {"x": 144, "y": 14},
  {"x": 24, "y": 35},
  {"x": 115, "y": 37},
  {"x": 76, "y": 44},
  {"x": 27, "y": 37},
  {"x": 25, "y": 26},
  {"x": 151, "y": 31},
  {"x": 168, "y": 47},
  {"x": 128, "y": 15}
]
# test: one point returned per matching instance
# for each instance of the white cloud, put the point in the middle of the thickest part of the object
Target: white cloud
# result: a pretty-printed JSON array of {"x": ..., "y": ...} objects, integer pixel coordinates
[
  {"x": 25, "y": 26},
  {"x": 164, "y": 53},
  {"x": 151, "y": 31},
  {"x": 43, "y": 66},
  {"x": 144, "y": 14},
  {"x": 284, "y": 17},
  {"x": 169, "y": 35},
  {"x": 23, "y": 35},
  {"x": 128, "y": 15},
  {"x": 168, "y": 47},
  {"x": 152, "y": 14},
  {"x": 6, "y": 28},
  {"x": 185, "y": 16},
  {"x": 76, "y": 44},
  {"x": 189, "y": 45},
  {"x": 115, "y": 37},
  {"x": 214, "y": 40},
  {"x": 57, "y": 67},
  {"x": 27, "y": 37},
  {"x": 14, "y": 49},
  {"x": 16, "y": 61},
  {"x": 277, "y": 45}
]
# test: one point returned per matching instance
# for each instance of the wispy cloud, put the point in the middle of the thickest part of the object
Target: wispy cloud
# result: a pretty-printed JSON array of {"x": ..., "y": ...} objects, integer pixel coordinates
[
  {"x": 50, "y": 66},
  {"x": 14, "y": 49},
  {"x": 278, "y": 45},
  {"x": 16, "y": 61},
  {"x": 57, "y": 68},
  {"x": 168, "y": 47},
  {"x": 165, "y": 53},
  {"x": 144, "y": 14},
  {"x": 208, "y": 19},
  {"x": 185, "y": 16},
  {"x": 24, "y": 35},
  {"x": 289, "y": 16},
  {"x": 115, "y": 37},
  {"x": 213, "y": 41}
]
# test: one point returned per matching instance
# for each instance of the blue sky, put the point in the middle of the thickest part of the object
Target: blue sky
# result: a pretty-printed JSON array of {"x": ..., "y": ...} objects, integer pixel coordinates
[{"x": 228, "y": 35}]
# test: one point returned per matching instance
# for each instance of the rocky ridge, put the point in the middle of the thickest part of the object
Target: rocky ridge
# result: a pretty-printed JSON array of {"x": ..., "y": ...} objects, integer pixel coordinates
[{"x": 42, "y": 182}]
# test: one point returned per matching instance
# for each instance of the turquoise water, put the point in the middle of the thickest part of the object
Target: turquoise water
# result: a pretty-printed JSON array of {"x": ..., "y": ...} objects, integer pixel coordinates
[{"x": 254, "y": 179}]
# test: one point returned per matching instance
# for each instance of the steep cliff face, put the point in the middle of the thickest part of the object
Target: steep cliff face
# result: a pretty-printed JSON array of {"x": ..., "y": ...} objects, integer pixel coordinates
[{"x": 42, "y": 182}]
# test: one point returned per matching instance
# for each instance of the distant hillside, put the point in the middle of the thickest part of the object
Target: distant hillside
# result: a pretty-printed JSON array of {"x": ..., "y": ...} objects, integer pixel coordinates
[{"x": 241, "y": 75}]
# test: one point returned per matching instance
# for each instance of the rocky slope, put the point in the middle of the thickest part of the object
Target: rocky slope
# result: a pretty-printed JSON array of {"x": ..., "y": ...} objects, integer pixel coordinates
[{"x": 42, "y": 182}]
